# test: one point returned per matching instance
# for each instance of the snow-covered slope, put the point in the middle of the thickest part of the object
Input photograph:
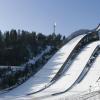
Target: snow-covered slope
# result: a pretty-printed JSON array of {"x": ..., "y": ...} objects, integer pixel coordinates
[
  {"x": 79, "y": 91},
  {"x": 45, "y": 75},
  {"x": 90, "y": 79},
  {"x": 73, "y": 73},
  {"x": 48, "y": 72}
]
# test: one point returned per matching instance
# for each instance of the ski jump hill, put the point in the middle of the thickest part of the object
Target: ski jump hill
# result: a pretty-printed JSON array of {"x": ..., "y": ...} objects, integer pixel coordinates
[{"x": 73, "y": 73}]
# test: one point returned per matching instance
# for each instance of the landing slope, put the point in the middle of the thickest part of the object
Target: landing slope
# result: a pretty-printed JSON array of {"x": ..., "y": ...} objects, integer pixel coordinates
[{"x": 45, "y": 75}]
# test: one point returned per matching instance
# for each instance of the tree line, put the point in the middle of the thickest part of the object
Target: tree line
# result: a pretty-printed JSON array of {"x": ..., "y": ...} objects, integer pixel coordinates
[{"x": 18, "y": 46}]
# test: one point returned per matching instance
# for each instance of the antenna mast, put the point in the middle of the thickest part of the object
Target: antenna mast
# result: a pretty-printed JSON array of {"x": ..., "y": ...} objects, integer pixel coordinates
[{"x": 54, "y": 28}]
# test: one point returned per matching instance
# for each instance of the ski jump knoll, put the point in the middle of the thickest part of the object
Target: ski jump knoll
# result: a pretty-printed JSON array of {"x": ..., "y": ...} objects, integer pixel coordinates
[{"x": 71, "y": 71}]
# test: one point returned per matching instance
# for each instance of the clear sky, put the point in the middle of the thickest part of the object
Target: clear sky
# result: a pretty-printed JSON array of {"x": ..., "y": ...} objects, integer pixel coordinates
[{"x": 39, "y": 15}]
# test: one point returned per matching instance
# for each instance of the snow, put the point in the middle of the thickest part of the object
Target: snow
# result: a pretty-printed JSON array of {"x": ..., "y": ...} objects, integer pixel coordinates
[
  {"x": 84, "y": 86},
  {"x": 72, "y": 74},
  {"x": 50, "y": 69},
  {"x": 45, "y": 75},
  {"x": 34, "y": 59},
  {"x": 91, "y": 78}
]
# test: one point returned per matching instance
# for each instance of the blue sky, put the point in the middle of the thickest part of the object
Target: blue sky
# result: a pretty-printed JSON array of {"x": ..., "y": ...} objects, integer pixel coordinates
[{"x": 39, "y": 15}]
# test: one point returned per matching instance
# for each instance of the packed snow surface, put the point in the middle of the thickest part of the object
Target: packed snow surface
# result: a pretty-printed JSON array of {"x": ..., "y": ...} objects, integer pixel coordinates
[
  {"x": 45, "y": 75},
  {"x": 83, "y": 87},
  {"x": 73, "y": 73}
]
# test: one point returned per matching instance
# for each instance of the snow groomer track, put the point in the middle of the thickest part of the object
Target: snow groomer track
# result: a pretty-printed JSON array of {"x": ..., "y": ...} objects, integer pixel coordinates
[{"x": 70, "y": 74}]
